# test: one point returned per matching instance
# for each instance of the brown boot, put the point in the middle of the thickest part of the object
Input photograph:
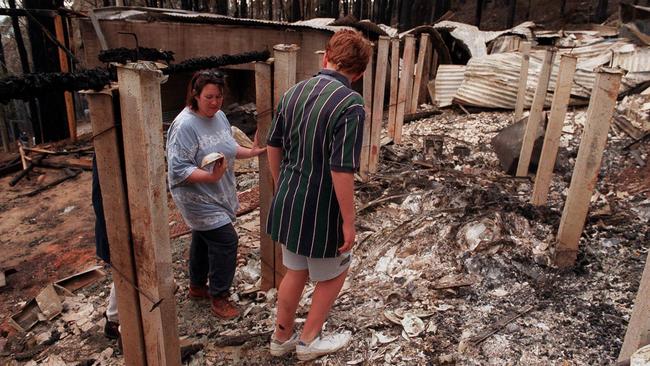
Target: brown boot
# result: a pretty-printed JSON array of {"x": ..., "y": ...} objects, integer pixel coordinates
[
  {"x": 199, "y": 292},
  {"x": 224, "y": 308}
]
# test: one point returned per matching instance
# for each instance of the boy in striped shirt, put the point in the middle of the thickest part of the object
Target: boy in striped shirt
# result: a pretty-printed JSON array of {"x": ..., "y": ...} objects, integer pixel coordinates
[{"x": 313, "y": 151}]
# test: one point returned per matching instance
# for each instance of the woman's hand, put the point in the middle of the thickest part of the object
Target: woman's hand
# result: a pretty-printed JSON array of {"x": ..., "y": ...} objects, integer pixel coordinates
[
  {"x": 244, "y": 153},
  {"x": 256, "y": 149},
  {"x": 219, "y": 169}
]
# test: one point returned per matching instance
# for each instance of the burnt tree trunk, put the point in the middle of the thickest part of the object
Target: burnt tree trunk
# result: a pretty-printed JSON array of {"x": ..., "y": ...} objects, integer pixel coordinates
[
  {"x": 394, "y": 17},
  {"x": 324, "y": 10},
  {"x": 222, "y": 7},
  {"x": 479, "y": 13},
  {"x": 295, "y": 11},
  {"x": 335, "y": 9},
  {"x": 45, "y": 55},
  {"x": 512, "y": 11},
  {"x": 24, "y": 65},
  {"x": 405, "y": 16},
  {"x": 243, "y": 9},
  {"x": 356, "y": 8},
  {"x": 601, "y": 11},
  {"x": 442, "y": 6}
]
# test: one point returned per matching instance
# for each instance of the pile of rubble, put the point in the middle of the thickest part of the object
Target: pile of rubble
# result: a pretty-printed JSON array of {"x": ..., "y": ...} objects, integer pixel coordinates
[{"x": 451, "y": 266}]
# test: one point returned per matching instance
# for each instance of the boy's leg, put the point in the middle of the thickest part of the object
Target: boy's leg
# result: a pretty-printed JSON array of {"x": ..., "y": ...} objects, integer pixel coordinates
[
  {"x": 324, "y": 296},
  {"x": 289, "y": 295}
]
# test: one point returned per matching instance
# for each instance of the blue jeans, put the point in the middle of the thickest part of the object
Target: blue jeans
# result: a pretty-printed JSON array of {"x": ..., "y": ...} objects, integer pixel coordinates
[{"x": 213, "y": 257}]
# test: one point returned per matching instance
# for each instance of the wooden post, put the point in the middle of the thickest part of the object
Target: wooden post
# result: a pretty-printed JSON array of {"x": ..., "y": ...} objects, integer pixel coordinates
[
  {"x": 63, "y": 62},
  {"x": 147, "y": 191},
  {"x": 638, "y": 329},
  {"x": 4, "y": 136},
  {"x": 367, "y": 106},
  {"x": 408, "y": 70},
  {"x": 535, "y": 116},
  {"x": 116, "y": 212},
  {"x": 394, "y": 86},
  {"x": 419, "y": 72},
  {"x": 585, "y": 172},
  {"x": 524, "y": 49},
  {"x": 264, "y": 104},
  {"x": 404, "y": 87},
  {"x": 378, "y": 102},
  {"x": 554, "y": 129},
  {"x": 426, "y": 75},
  {"x": 284, "y": 77}
]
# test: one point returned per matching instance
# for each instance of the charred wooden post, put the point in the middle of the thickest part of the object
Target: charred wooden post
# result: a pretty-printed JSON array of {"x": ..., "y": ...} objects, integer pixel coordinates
[
  {"x": 536, "y": 114},
  {"x": 554, "y": 129},
  {"x": 116, "y": 211},
  {"x": 524, "y": 49},
  {"x": 139, "y": 86},
  {"x": 585, "y": 173},
  {"x": 284, "y": 77},
  {"x": 378, "y": 102},
  {"x": 264, "y": 105}
]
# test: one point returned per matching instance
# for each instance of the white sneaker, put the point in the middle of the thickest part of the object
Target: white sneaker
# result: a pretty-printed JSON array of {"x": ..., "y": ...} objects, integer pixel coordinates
[
  {"x": 279, "y": 349},
  {"x": 322, "y": 345}
]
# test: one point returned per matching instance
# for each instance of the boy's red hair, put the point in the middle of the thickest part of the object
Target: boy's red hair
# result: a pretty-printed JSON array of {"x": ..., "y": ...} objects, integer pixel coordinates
[{"x": 349, "y": 51}]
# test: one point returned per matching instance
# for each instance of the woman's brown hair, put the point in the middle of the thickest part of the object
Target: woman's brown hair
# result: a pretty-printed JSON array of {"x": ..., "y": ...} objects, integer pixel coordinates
[{"x": 199, "y": 80}]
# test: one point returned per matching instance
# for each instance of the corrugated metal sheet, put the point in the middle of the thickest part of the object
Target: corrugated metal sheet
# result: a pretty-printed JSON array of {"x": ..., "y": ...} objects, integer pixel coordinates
[
  {"x": 491, "y": 81},
  {"x": 448, "y": 80},
  {"x": 632, "y": 59},
  {"x": 476, "y": 40}
]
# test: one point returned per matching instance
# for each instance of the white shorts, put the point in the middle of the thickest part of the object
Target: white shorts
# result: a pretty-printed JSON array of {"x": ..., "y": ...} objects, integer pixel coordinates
[{"x": 320, "y": 269}]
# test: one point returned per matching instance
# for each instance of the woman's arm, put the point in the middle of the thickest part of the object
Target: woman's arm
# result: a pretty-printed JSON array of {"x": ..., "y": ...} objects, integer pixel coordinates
[
  {"x": 246, "y": 153},
  {"x": 202, "y": 176}
]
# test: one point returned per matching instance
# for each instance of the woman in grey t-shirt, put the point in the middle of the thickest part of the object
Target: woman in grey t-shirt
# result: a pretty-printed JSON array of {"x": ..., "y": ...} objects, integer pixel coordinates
[{"x": 207, "y": 198}]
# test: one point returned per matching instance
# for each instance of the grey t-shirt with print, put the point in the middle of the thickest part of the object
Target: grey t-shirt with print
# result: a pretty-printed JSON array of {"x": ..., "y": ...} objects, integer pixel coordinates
[{"x": 204, "y": 206}]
